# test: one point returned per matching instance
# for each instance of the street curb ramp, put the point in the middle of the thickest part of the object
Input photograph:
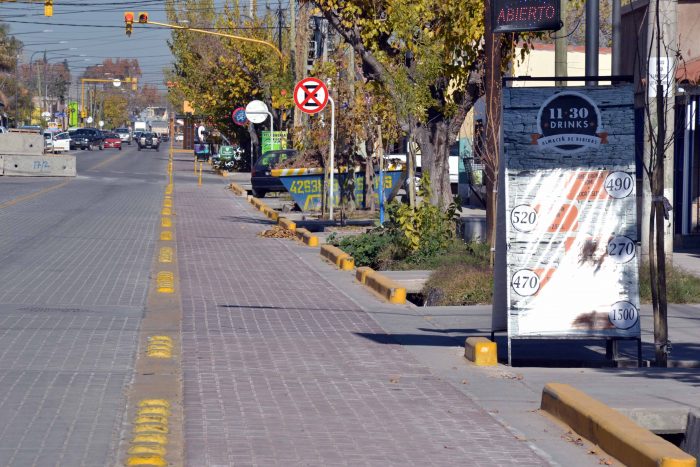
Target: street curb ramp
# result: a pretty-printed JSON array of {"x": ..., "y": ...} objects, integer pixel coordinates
[{"x": 615, "y": 433}]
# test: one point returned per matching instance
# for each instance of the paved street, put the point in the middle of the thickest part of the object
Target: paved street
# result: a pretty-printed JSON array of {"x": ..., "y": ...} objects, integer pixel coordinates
[
  {"x": 76, "y": 255},
  {"x": 285, "y": 360}
]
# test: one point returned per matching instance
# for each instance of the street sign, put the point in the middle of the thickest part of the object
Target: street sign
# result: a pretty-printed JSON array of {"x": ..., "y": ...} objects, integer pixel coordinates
[
  {"x": 525, "y": 15},
  {"x": 116, "y": 83},
  {"x": 101, "y": 123},
  {"x": 59, "y": 115},
  {"x": 89, "y": 120},
  {"x": 239, "y": 117},
  {"x": 311, "y": 95},
  {"x": 45, "y": 114},
  {"x": 256, "y": 111}
]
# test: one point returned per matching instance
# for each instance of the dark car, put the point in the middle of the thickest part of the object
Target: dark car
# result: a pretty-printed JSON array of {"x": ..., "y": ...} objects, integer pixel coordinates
[
  {"x": 149, "y": 141},
  {"x": 88, "y": 138},
  {"x": 261, "y": 179}
]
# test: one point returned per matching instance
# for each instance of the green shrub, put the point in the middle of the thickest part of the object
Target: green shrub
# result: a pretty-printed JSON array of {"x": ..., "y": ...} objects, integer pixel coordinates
[
  {"x": 682, "y": 287},
  {"x": 459, "y": 284},
  {"x": 364, "y": 248}
]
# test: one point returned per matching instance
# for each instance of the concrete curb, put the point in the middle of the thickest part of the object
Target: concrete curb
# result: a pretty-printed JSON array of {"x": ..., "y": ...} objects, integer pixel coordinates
[
  {"x": 287, "y": 224},
  {"x": 615, "y": 433},
  {"x": 338, "y": 257},
  {"x": 382, "y": 285},
  {"x": 264, "y": 208},
  {"x": 481, "y": 351},
  {"x": 307, "y": 237},
  {"x": 237, "y": 189}
]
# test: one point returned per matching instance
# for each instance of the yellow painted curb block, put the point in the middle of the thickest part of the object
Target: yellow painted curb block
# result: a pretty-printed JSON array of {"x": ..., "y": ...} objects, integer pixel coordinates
[
  {"x": 160, "y": 419},
  {"x": 150, "y": 439},
  {"x": 154, "y": 403},
  {"x": 165, "y": 255},
  {"x": 166, "y": 222},
  {"x": 147, "y": 450},
  {"x": 159, "y": 347},
  {"x": 150, "y": 428},
  {"x": 236, "y": 188},
  {"x": 385, "y": 287},
  {"x": 168, "y": 202},
  {"x": 166, "y": 282},
  {"x": 481, "y": 351},
  {"x": 307, "y": 237},
  {"x": 287, "y": 224},
  {"x": 338, "y": 257},
  {"x": 166, "y": 236},
  {"x": 157, "y": 411},
  {"x": 615, "y": 433},
  {"x": 169, "y": 189},
  {"x": 166, "y": 212},
  {"x": 152, "y": 461}
]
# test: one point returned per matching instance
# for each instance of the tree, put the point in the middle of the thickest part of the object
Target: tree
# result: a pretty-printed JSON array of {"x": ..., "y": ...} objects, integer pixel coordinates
[
  {"x": 428, "y": 57},
  {"x": 115, "y": 110},
  {"x": 217, "y": 74}
]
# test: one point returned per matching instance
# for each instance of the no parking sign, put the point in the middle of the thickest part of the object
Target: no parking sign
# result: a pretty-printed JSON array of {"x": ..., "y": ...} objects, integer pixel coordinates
[{"x": 311, "y": 95}]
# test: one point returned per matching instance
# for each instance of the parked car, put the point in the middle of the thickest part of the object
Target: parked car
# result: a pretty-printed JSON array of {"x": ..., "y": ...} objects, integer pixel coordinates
[
  {"x": 113, "y": 140},
  {"x": 124, "y": 134},
  {"x": 48, "y": 141},
  {"x": 61, "y": 142},
  {"x": 261, "y": 179},
  {"x": 88, "y": 138},
  {"x": 164, "y": 138},
  {"x": 149, "y": 141}
]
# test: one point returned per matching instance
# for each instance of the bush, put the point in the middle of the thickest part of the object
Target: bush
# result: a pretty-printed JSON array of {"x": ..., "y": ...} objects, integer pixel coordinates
[
  {"x": 365, "y": 248},
  {"x": 682, "y": 287},
  {"x": 459, "y": 284}
]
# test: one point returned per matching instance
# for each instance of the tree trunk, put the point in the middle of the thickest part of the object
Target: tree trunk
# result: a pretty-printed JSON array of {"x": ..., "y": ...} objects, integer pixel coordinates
[{"x": 435, "y": 153}]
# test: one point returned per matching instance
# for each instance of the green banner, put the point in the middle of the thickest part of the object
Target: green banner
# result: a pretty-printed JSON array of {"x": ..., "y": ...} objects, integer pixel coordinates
[
  {"x": 72, "y": 114},
  {"x": 272, "y": 141}
]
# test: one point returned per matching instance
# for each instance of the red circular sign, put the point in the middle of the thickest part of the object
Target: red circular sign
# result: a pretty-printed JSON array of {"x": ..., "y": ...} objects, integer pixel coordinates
[
  {"x": 239, "y": 117},
  {"x": 311, "y": 95}
]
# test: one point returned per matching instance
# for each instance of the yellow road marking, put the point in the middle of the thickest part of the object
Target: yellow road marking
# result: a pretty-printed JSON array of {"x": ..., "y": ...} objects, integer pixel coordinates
[
  {"x": 168, "y": 202},
  {"x": 166, "y": 235},
  {"x": 166, "y": 282},
  {"x": 29, "y": 196},
  {"x": 150, "y": 439},
  {"x": 147, "y": 449},
  {"x": 165, "y": 255},
  {"x": 151, "y": 461},
  {"x": 166, "y": 222},
  {"x": 166, "y": 212}
]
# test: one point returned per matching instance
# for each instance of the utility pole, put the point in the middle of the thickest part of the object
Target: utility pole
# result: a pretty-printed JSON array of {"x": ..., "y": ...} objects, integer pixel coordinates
[
  {"x": 280, "y": 20},
  {"x": 592, "y": 40},
  {"x": 616, "y": 39},
  {"x": 561, "y": 44},
  {"x": 293, "y": 37}
]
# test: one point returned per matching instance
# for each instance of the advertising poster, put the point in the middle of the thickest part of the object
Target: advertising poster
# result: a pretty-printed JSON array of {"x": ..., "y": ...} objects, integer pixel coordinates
[
  {"x": 570, "y": 212},
  {"x": 273, "y": 141}
]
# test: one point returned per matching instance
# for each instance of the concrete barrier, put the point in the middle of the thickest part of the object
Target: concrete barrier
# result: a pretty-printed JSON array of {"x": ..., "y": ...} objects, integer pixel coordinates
[
  {"x": 21, "y": 144},
  {"x": 691, "y": 442},
  {"x": 615, "y": 433},
  {"x": 39, "y": 166},
  {"x": 338, "y": 257},
  {"x": 481, "y": 351},
  {"x": 306, "y": 237},
  {"x": 382, "y": 285}
]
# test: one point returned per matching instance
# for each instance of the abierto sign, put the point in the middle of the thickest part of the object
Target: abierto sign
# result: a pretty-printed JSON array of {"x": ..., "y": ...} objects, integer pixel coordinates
[{"x": 525, "y": 15}]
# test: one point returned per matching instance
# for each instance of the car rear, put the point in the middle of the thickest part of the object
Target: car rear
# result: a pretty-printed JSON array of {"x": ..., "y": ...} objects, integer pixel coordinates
[
  {"x": 149, "y": 141},
  {"x": 113, "y": 140},
  {"x": 124, "y": 135},
  {"x": 261, "y": 177}
]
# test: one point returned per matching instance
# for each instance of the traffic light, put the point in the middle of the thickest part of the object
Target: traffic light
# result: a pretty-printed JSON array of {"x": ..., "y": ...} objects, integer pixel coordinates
[
  {"x": 83, "y": 114},
  {"x": 129, "y": 21},
  {"x": 48, "y": 7},
  {"x": 143, "y": 17}
]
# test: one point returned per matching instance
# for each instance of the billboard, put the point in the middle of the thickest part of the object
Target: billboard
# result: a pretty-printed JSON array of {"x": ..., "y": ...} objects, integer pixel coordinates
[
  {"x": 273, "y": 141},
  {"x": 570, "y": 214}
]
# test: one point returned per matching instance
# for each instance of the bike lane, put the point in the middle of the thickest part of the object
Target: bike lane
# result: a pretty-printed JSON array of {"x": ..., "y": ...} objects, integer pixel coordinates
[{"x": 280, "y": 367}]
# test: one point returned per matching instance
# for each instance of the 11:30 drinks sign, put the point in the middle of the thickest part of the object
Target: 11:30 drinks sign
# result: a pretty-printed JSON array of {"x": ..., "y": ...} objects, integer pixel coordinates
[{"x": 525, "y": 15}]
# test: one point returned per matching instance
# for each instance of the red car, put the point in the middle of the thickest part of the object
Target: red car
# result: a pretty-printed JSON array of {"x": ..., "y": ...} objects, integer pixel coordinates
[{"x": 112, "y": 140}]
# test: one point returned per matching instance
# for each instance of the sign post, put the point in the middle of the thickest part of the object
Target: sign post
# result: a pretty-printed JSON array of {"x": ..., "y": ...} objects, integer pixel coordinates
[{"x": 311, "y": 96}]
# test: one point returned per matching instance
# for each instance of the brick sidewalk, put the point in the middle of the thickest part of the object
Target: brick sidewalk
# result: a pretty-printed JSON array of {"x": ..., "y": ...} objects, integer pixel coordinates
[{"x": 281, "y": 368}]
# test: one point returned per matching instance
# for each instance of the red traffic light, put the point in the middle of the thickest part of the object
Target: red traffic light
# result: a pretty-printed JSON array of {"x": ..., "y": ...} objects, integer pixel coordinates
[
  {"x": 129, "y": 17},
  {"x": 143, "y": 17}
]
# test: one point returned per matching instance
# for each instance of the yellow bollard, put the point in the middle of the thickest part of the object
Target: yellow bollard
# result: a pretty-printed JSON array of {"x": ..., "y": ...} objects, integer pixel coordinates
[
  {"x": 199, "y": 182},
  {"x": 195, "y": 165}
]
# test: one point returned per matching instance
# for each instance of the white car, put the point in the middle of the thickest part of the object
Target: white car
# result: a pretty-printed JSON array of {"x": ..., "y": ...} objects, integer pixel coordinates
[{"x": 61, "y": 142}]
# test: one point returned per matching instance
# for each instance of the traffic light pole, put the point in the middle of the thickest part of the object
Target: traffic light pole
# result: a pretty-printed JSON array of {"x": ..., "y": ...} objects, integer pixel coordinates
[{"x": 145, "y": 20}]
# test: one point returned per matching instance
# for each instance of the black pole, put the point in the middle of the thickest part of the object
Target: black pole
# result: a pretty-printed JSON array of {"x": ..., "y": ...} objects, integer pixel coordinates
[{"x": 592, "y": 45}]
